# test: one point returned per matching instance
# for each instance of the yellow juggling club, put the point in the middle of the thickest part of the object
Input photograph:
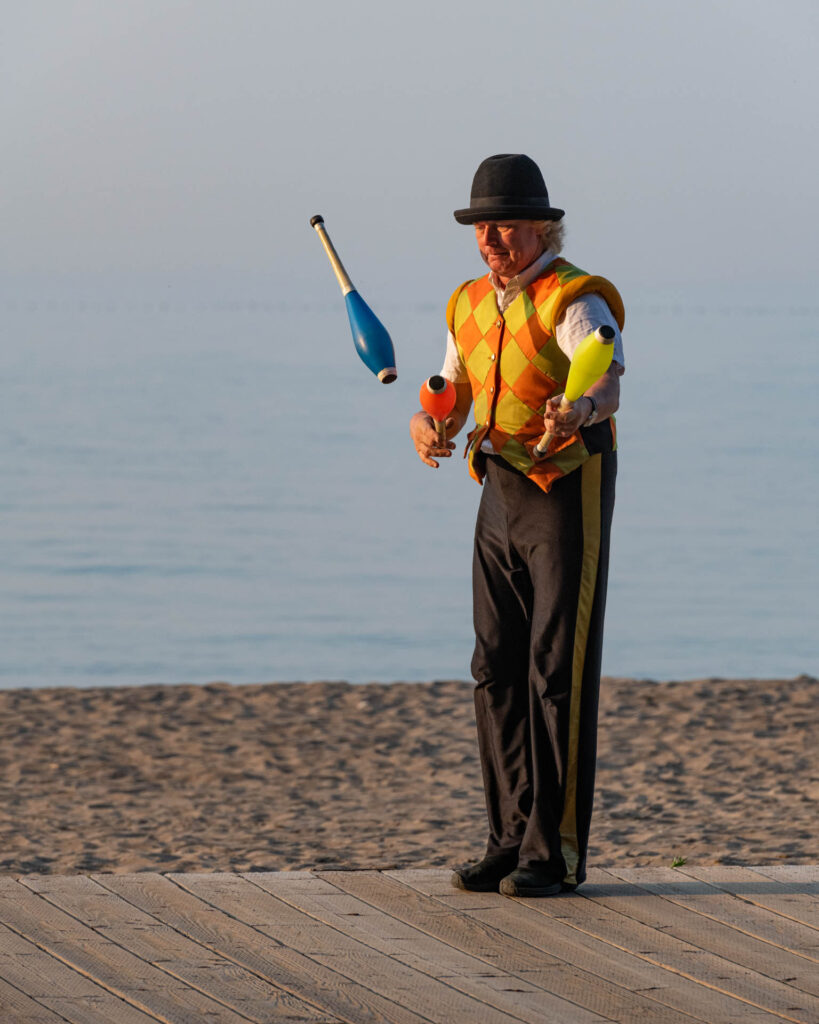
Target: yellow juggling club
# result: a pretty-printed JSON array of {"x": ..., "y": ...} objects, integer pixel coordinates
[{"x": 591, "y": 359}]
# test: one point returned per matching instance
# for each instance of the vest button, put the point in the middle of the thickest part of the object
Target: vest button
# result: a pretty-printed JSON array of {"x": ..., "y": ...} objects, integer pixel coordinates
[
  {"x": 499, "y": 321},
  {"x": 492, "y": 357},
  {"x": 491, "y": 390}
]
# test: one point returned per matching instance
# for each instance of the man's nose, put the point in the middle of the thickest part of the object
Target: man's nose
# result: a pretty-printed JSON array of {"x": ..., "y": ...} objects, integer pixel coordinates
[{"x": 489, "y": 235}]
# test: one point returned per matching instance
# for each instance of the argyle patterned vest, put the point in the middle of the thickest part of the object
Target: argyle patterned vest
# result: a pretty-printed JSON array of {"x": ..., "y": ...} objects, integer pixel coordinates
[{"x": 515, "y": 363}]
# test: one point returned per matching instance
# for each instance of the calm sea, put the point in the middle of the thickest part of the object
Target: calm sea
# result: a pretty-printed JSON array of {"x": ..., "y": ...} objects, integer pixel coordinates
[{"x": 220, "y": 490}]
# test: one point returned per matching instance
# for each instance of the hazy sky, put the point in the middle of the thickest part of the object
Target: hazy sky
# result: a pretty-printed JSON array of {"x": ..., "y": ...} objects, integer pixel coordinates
[{"x": 186, "y": 136}]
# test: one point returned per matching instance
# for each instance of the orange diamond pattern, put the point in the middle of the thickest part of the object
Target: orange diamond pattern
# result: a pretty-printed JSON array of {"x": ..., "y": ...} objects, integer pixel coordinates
[
  {"x": 480, "y": 361},
  {"x": 515, "y": 364},
  {"x": 512, "y": 361}
]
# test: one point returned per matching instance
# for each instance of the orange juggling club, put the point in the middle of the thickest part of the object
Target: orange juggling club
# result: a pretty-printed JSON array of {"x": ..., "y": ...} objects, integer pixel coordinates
[{"x": 438, "y": 399}]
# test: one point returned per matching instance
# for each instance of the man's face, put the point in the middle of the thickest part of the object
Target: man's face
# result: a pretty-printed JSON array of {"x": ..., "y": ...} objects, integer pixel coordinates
[{"x": 508, "y": 246}]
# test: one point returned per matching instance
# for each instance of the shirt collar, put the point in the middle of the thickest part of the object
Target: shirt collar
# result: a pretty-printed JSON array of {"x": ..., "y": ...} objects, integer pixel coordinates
[{"x": 521, "y": 281}]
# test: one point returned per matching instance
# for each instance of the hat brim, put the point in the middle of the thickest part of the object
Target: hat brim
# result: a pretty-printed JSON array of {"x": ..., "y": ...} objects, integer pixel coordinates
[{"x": 474, "y": 215}]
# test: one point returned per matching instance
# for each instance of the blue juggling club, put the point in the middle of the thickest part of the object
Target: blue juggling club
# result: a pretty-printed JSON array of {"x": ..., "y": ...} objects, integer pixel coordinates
[{"x": 371, "y": 339}]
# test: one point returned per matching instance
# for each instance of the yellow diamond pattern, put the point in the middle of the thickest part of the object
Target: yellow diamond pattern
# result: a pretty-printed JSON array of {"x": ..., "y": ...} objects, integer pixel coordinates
[
  {"x": 567, "y": 272},
  {"x": 462, "y": 310},
  {"x": 513, "y": 361},
  {"x": 519, "y": 312},
  {"x": 511, "y": 413},
  {"x": 486, "y": 312},
  {"x": 480, "y": 360},
  {"x": 570, "y": 458},
  {"x": 481, "y": 406},
  {"x": 513, "y": 451},
  {"x": 546, "y": 309},
  {"x": 552, "y": 361}
]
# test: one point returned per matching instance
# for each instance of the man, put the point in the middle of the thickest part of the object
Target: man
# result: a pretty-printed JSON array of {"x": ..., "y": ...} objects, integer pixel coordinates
[{"x": 542, "y": 534}]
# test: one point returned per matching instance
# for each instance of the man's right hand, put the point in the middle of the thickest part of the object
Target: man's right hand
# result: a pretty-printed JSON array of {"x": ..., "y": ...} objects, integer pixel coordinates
[{"x": 425, "y": 438}]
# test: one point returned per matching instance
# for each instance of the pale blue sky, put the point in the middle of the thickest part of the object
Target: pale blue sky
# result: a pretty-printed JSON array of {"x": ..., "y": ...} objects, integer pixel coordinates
[{"x": 179, "y": 136}]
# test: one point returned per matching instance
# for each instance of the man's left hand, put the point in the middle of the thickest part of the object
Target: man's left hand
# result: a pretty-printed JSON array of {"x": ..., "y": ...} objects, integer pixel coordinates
[{"x": 565, "y": 422}]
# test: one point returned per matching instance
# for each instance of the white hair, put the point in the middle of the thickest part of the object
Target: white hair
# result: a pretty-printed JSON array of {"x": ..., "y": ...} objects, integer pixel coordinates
[{"x": 552, "y": 234}]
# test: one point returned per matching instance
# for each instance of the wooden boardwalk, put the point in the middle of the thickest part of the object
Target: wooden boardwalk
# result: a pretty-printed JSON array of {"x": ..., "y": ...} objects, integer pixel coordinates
[{"x": 721, "y": 945}]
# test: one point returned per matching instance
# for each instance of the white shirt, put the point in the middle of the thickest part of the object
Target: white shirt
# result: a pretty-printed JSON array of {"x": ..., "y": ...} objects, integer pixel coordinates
[{"x": 580, "y": 318}]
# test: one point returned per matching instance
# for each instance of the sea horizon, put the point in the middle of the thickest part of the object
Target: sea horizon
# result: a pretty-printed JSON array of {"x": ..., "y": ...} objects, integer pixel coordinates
[{"x": 203, "y": 487}]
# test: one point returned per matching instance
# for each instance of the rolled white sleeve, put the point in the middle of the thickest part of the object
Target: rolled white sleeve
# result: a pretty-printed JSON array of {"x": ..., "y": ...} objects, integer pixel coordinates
[
  {"x": 583, "y": 316},
  {"x": 453, "y": 368}
]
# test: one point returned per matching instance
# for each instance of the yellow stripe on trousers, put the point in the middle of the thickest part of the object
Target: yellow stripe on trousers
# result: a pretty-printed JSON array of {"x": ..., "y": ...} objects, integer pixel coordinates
[{"x": 590, "y": 500}]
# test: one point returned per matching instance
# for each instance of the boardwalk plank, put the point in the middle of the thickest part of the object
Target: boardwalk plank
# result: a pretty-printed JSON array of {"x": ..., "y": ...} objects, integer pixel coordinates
[
  {"x": 96, "y": 1010},
  {"x": 488, "y": 982},
  {"x": 596, "y": 913},
  {"x": 791, "y": 899},
  {"x": 243, "y": 944},
  {"x": 790, "y": 872},
  {"x": 58, "y": 987},
  {"x": 721, "y": 906},
  {"x": 565, "y": 932},
  {"x": 638, "y": 900},
  {"x": 109, "y": 965},
  {"x": 247, "y": 901},
  {"x": 502, "y": 950},
  {"x": 806, "y": 876},
  {"x": 173, "y": 953},
  {"x": 21, "y": 1009},
  {"x": 722, "y": 945}
]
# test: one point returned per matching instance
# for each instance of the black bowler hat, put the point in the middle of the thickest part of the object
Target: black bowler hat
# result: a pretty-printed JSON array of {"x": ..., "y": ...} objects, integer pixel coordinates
[{"x": 511, "y": 186}]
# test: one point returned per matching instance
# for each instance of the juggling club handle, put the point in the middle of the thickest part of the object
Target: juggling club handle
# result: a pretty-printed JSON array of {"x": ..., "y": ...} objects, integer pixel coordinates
[
  {"x": 338, "y": 267},
  {"x": 543, "y": 444},
  {"x": 591, "y": 359}
]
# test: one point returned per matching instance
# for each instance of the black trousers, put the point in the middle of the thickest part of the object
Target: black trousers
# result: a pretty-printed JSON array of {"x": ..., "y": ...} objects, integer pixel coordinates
[{"x": 539, "y": 585}]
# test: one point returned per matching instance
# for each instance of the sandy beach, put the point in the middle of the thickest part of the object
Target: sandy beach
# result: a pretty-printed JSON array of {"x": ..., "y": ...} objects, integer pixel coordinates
[{"x": 295, "y": 775}]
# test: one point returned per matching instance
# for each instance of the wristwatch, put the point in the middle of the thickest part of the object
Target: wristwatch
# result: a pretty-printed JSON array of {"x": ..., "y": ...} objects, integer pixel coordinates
[{"x": 593, "y": 414}]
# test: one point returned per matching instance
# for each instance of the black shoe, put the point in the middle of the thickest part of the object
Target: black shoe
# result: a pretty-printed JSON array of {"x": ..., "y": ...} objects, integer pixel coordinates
[
  {"x": 526, "y": 882},
  {"x": 486, "y": 874}
]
